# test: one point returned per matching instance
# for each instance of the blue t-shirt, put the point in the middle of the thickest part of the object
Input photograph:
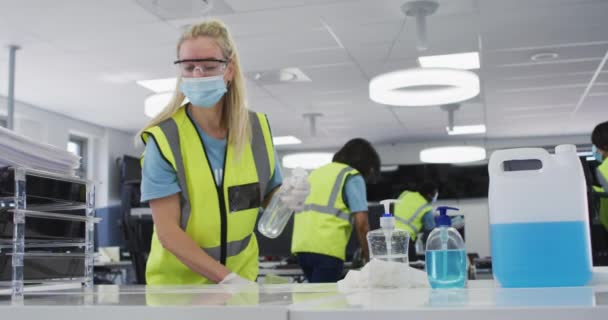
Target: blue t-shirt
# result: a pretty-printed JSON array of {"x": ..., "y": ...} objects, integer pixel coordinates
[
  {"x": 355, "y": 194},
  {"x": 428, "y": 220},
  {"x": 160, "y": 180}
]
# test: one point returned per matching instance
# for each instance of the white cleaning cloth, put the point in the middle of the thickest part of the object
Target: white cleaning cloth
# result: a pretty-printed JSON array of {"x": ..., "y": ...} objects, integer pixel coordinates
[{"x": 383, "y": 274}]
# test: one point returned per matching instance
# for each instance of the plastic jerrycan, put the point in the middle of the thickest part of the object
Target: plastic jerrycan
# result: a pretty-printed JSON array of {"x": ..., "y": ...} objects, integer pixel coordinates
[{"x": 539, "y": 226}]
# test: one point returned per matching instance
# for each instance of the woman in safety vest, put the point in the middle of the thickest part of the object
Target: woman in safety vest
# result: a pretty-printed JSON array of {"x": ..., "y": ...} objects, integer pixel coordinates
[
  {"x": 208, "y": 166},
  {"x": 337, "y": 202}
]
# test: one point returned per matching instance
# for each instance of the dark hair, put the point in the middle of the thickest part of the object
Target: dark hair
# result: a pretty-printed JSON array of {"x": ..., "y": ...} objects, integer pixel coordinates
[
  {"x": 599, "y": 137},
  {"x": 359, "y": 154},
  {"x": 428, "y": 189}
]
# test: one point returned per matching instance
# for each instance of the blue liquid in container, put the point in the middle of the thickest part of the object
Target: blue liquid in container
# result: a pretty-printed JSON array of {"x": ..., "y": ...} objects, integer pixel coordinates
[
  {"x": 446, "y": 268},
  {"x": 541, "y": 254}
]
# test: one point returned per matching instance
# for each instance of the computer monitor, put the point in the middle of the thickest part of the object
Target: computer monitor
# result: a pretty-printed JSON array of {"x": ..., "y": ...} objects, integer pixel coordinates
[{"x": 130, "y": 168}]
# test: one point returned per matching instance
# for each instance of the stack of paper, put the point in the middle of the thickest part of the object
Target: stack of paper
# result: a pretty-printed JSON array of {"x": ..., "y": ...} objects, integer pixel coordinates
[{"x": 19, "y": 151}]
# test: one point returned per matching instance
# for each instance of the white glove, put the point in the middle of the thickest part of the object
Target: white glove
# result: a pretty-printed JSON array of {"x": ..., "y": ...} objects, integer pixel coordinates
[
  {"x": 234, "y": 278},
  {"x": 295, "y": 190}
]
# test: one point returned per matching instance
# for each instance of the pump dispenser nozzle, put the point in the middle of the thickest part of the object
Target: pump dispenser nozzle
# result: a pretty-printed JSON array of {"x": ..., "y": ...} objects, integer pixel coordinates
[
  {"x": 443, "y": 219},
  {"x": 387, "y": 221}
]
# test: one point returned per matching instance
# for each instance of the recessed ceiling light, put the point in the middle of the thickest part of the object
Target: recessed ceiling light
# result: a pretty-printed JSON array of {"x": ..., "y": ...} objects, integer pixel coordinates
[
  {"x": 472, "y": 129},
  {"x": 285, "y": 140},
  {"x": 456, "y": 154},
  {"x": 544, "y": 56},
  {"x": 455, "y": 86},
  {"x": 176, "y": 10},
  {"x": 307, "y": 160},
  {"x": 155, "y": 103},
  {"x": 464, "y": 61},
  {"x": 159, "y": 85}
]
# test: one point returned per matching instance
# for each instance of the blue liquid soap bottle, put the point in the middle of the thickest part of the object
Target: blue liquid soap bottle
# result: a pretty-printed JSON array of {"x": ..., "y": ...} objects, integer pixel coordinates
[{"x": 446, "y": 259}]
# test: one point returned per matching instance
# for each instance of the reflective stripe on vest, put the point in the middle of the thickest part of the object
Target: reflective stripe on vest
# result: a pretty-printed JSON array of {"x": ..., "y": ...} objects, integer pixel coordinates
[
  {"x": 170, "y": 130},
  {"x": 409, "y": 222},
  {"x": 233, "y": 248},
  {"x": 260, "y": 155},
  {"x": 329, "y": 208}
]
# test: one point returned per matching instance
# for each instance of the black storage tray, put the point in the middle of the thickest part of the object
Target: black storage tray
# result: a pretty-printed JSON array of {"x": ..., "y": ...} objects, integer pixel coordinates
[
  {"x": 46, "y": 192},
  {"x": 43, "y": 228},
  {"x": 44, "y": 266}
]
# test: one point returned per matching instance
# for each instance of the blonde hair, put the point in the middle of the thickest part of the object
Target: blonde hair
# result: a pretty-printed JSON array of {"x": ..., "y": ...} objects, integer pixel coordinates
[{"x": 235, "y": 115}]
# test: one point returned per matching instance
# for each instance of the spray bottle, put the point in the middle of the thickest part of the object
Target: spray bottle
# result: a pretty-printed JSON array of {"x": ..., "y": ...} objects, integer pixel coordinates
[
  {"x": 446, "y": 261},
  {"x": 277, "y": 214}
]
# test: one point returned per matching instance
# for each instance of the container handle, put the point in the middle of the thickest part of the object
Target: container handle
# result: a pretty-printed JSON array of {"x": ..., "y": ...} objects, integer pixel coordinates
[{"x": 500, "y": 156}]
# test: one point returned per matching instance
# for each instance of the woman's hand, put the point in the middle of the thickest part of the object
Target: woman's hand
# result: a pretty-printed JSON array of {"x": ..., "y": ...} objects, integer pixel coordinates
[{"x": 294, "y": 191}]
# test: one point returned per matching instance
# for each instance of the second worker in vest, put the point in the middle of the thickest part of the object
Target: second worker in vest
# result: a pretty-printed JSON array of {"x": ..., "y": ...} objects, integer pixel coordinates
[
  {"x": 414, "y": 213},
  {"x": 599, "y": 138},
  {"x": 337, "y": 202}
]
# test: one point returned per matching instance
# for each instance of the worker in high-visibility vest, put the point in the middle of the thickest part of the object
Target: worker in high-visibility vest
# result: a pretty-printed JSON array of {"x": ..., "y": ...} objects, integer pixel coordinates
[
  {"x": 599, "y": 138},
  {"x": 414, "y": 213},
  {"x": 337, "y": 203},
  {"x": 208, "y": 167}
]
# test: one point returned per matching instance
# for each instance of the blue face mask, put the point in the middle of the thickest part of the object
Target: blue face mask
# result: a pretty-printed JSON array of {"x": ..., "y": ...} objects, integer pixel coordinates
[
  {"x": 597, "y": 155},
  {"x": 204, "y": 92}
]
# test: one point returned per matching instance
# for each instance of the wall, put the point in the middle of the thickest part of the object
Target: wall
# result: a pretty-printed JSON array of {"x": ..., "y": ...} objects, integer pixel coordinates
[{"x": 105, "y": 145}]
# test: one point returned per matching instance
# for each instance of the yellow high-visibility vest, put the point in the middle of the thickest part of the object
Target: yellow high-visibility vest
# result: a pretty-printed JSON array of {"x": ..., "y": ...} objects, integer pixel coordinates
[
  {"x": 410, "y": 211},
  {"x": 602, "y": 176},
  {"x": 325, "y": 224},
  {"x": 219, "y": 218}
]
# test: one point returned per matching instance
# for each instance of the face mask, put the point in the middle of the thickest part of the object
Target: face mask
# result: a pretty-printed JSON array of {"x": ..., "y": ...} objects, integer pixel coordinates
[
  {"x": 435, "y": 197},
  {"x": 204, "y": 92},
  {"x": 597, "y": 155}
]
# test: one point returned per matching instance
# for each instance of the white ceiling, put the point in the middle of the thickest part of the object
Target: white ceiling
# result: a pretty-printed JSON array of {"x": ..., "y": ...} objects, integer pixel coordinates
[{"x": 82, "y": 58}]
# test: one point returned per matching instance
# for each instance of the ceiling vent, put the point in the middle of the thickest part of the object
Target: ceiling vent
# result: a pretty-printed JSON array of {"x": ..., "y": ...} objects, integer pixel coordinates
[{"x": 284, "y": 75}]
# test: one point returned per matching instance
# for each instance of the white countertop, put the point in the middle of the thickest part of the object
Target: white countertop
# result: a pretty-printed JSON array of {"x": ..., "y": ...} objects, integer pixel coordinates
[{"x": 481, "y": 300}]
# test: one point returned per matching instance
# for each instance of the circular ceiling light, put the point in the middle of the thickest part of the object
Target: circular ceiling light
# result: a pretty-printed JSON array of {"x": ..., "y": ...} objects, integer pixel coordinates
[
  {"x": 307, "y": 160},
  {"x": 544, "y": 56},
  {"x": 155, "y": 103},
  {"x": 456, "y": 154},
  {"x": 456, "y": 86}
]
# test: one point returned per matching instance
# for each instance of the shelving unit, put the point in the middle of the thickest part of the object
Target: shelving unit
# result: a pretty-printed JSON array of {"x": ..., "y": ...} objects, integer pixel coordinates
[{"x": 47, "y": 224}]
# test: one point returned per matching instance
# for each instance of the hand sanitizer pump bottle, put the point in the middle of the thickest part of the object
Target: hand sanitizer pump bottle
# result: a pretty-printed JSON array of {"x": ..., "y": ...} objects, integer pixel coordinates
[{"x": 446, "y": 259}]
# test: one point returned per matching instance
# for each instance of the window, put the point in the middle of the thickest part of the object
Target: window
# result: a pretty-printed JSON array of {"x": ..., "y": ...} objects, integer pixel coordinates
[
  {"x": 78, "y": 146},
  {"x": 3, "y": 121}
]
